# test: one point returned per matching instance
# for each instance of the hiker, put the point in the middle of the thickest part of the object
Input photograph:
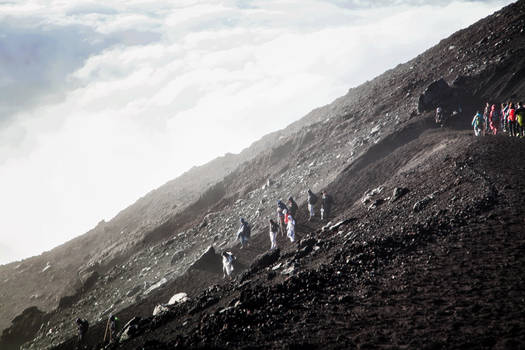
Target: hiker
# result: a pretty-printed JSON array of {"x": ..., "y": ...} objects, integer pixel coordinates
[
  {"x": 520, "y": 119},
  {"x": 281, "y": 207},
  {"x": 326, "y": 205},
  {"x": 486, "y": 113},
  {"x": 244, "y": 233},
  {"x": 439, "y": 116},
  {"x": 312, "y": 199},
  {"x": 502, "y": 118},
  {"x": 505, "y": 116},
  {"x": 273, "y": 234},
  {"x": 477, "y": 123},
  {"x": 290, "y": 225},
  {"x": 113, "y": 329},
  {"x": 227, "y": 264},
  {"x": 512, "y": 120},
  {"x": 82, "y": 326},
  {"x": 494, "y": 120},
  {"x": 293, "y": 206}
]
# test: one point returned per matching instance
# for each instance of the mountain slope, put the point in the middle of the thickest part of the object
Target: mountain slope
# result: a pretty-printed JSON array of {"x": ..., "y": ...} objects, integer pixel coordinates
[
  {"x": 447, "y": 274},
  {"x": 354, "y": 144}
]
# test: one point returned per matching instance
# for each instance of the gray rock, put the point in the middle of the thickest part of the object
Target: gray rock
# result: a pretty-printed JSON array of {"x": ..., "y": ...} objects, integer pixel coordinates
[
  {"x": 208, "y": 261},
  {"x": 327, "y": 226},
  {"x": 157, "y": 285},
  {"x": 341, "y": 223},
  {"x": 264, "y": 260},
  {"x": 288, "y": 271},
  {"x": 398, "y": 193},
  {"x": 370, "y": 194},
  {"x": 178, "y": 298},
  {"x": 130, "y": 329},
  {"x": 434, "y": 95},
  {"x": 177, "y": 256},
  {"x": 307, "y": 242},
  {"x": 421, "y": 204},
  {"x": 160, "y": 309}
]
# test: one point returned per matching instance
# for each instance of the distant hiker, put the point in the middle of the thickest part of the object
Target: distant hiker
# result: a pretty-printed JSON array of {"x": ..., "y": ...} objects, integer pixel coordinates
[
  {"x": 486, "y": 113},
  {"x": 477, "y": 123},
  {"x": 494, "y": 119},
  {"x": 244, "y": 233},
  {"x": 326, "y": 205},
  {"x": 227, "y": 264},
  {"x": 439, "y": 116},
  {"x": 273, "y": 234},
  {"x": 290, "y": 227},
  {"x": 513, "y": 131},
  {"x": 505, "y": 116},
  {"x": 312, "y": 199},
  {"x": 82, "y": 326},
  {"x": 520, "y": 119},
  {"x": 281, "y": 207},
  {"x": 113, "y": 327},
  {"x": 502, "y": 118},
  {"x": 293, "y": 206}
]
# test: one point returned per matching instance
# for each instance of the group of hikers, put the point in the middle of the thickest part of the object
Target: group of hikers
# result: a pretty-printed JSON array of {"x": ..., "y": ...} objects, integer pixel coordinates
[
  {"x": 286, "y": 218},
  {"x": 509, "y": 118},
  {"x": 284, "y": 224},
  {"x": 110, "y": 335}
]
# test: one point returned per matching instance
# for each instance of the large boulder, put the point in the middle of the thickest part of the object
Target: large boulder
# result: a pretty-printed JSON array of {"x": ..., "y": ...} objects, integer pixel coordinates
[
  {"x": 264, "y": 260},
  {"x": 436, "y": 94},
  {"x": 130, "y": 329},
  {"x": 208, "y": 261},
  {"x": 398, "y": 193},
  {"x": 88, "y": 279},
  {"x": 178, "y": 298},
  {"x": 23, "y": 328},
  {"x": 421, "y": 204},
  {"x": 160, "y": 309}
]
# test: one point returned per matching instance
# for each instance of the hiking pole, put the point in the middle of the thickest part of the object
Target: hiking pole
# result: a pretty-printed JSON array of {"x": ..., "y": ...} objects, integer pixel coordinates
[{"x": 106, "y": 332}]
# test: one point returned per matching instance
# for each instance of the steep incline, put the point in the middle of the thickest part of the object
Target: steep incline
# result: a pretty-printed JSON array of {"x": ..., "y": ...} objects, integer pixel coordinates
[
  {"x": 346, "y": 147},
  {"x": 440, "y": 266}
]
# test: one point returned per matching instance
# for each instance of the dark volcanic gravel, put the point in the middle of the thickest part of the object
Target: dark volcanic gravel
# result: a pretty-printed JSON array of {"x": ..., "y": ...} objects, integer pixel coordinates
[{"x": 449, "y": 276}]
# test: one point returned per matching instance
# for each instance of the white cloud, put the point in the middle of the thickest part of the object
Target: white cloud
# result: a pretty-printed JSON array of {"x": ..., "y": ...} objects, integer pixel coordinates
[{"x": 162, "y": 87}]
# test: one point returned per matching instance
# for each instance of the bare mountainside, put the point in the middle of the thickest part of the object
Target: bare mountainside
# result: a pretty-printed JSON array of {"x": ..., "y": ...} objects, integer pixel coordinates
[
  {"x": 378, "y": 267},
  {"x": 71, "y": 264}
]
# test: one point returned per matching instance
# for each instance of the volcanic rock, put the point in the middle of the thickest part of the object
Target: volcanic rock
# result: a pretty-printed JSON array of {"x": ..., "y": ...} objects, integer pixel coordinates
[
  {"x": 264, "y": 260},
  {"x": 434, "y": 95},
  {"x": 398, "y": 193},
  {"x": 178, "y": 298}
]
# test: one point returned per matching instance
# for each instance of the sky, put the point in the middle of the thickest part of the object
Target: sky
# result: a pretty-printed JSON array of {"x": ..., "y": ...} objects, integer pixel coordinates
[{"x": 101, "y": 102}]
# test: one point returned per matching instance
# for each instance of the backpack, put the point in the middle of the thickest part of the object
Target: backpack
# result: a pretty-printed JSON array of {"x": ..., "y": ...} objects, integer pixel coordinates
[
  {"x": 293, "y": 208},
  {"x": 230, "y": 257},
  {"x": 247, "y": 230},
  {"x": 83, "y": 325},
  {"x": 520, "y": 113},
  {"x": 495, "y": 116},
  {"x": 478, "y": 121},
  {"x": 274, "y": 227}
]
